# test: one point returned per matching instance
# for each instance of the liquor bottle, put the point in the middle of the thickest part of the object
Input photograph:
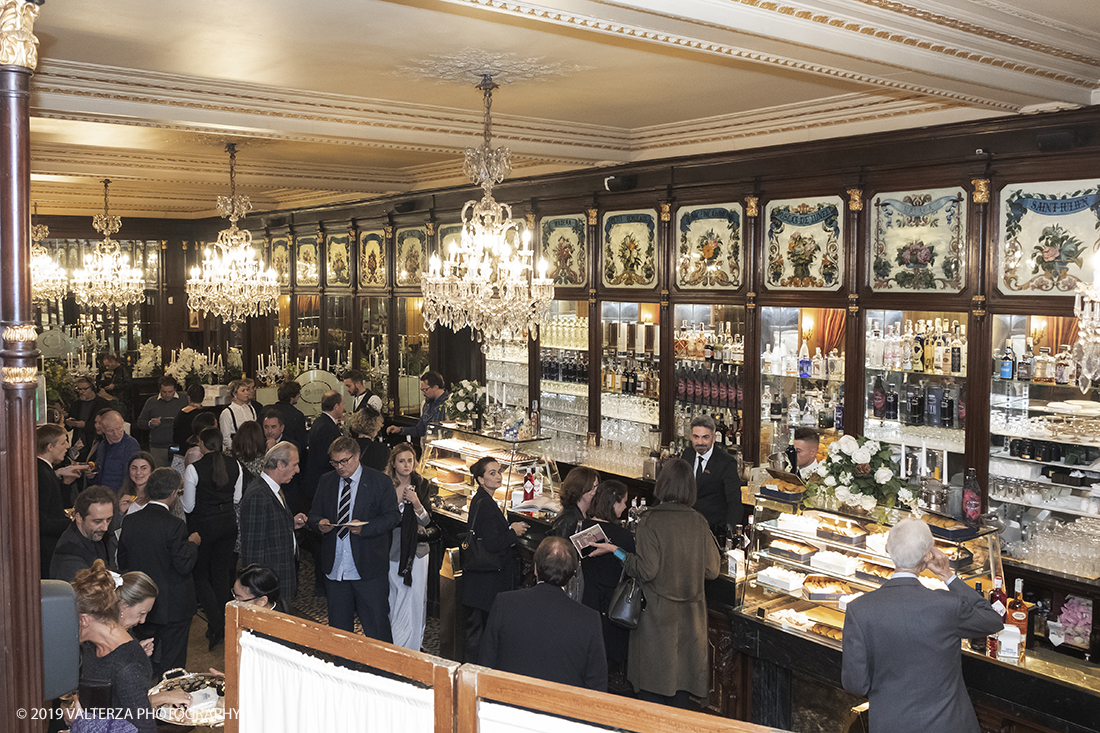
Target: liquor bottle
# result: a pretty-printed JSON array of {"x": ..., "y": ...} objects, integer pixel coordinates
[
  {"x": 938, "y": 348},
  {"x": 718, "y": 351},
  {"x": 705, "y": 382},
  {"x": 776, "y": 408},
  {"x": 723, "y": 388},
  {"x": 804, "y": 363},
  {"x": 1063, "y": 366},
  {"x": 956, "y": 353},
  {"x": 878, "y": 398},
  {"x": 720, "y": 429},
  {"x": 679, "y": 341},
  {"x": 891, "y": 403},
  {"x": 708, "y": 346},
  {"x": 817, "y": 365},
  {"x": 699, "y": 386},
  {"x": 962, "y": 337},
  {"x": 1044, "y": 367},
  {"x": 825, "y": 415},
  {"x": 918, "y": 347},
  {"x": 838, "y": 416},
  {"x": 1017, "y": 610},
  {"x": 972, "y": 499},
  {"x": 906, "y": 346},
  {"x": 767, "y": 361},
  {"x": 947, "y": 409},
  {"x": 618, "y": 386},
  {"x": 793, "y": 411},
  {"x": 640, "y": 385},
  {"x": 789, "y": 362},
  {"x": 916, "y": 406},
  {"x": 997, "y": 597},
  {"x": 766, "y": 404},
  {"x": 929, "y": 348},
  {"x": 1008, "y": 361},
  {"x": 978, "y": 643},
  {"x": 681, "y": 382},
  {"x": 1025, "y": 367}
]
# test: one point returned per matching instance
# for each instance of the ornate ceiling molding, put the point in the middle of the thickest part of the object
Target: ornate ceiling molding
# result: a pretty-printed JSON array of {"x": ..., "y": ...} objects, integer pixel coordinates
[
  {"x": 471, "y": 64},
  {"x": 592, "y": 23},
  {"x": 1038, "y": 19}
]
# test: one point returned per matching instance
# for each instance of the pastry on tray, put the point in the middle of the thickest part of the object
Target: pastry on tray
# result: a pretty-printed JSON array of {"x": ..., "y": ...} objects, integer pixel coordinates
[
  {"x": 840, "y": 527},
  {"x": 874, "y": 569},
  {"x": 822, "y": 584},
  {"x": 791, "y": 548},
  {"x": 826, "y": 630}
]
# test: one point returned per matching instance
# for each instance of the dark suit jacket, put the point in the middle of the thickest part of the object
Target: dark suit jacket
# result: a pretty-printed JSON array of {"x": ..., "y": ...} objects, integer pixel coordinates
[
  {"x": 86, "y": 433},
  {"x": 902, "y": 650},
  {"x": 294, "y": 425},
  {"x": 267, "y": 535},
  {"x": 321, "y": 434},
  {"x": 567, "y": 648},
  {"x": 376, "y": 503},
  {"x": 155, "y": 542},
  {"x": 718, "y": 492},
  {"x": 52, "y": 519},
  {"x": 480, "y": 588},
  {"x": 75, "y": 552}
]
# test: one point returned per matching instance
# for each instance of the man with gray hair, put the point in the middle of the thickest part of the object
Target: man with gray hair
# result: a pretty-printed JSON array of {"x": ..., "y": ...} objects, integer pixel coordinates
[
  {"x": 267, "y": 525},
  {"x": 903, "y": 642},
  {"x": 717, "y": 485}
]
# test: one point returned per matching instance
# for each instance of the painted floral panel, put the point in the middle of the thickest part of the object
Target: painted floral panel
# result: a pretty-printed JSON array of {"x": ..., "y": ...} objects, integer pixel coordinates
[
  {"x": 805, "y": 244},
  {"x": 280, "y": 258},
  {"x": 449, "y": 234},
  {"x": 372, "y": 258},
  {"x": 307, "y": 266},
  {"x": 411, "y": 243},
  {"x": 709, "y": 252},
  {"x": 339, "y": 260},
  {"x": 1048, "y": 236},
  {"x": 564, "y": 242},
  {"x": 919, "y": 241},
  {"x": 629, "y": 249}
]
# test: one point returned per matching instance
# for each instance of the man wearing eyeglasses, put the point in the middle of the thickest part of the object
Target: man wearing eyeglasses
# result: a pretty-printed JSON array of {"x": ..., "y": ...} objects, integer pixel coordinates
[
  {"x": 354, "y": 510},
  {"x": 431, "y": 386},
  {"x": 81, "y": 418}
]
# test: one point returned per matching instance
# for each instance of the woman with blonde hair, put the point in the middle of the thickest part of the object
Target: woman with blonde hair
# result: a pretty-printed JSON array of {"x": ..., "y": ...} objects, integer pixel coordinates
[
  {"x": 136, "y": 597},
  {"x": 409, "y": 550},
  {"x": 364, "y": 424}
]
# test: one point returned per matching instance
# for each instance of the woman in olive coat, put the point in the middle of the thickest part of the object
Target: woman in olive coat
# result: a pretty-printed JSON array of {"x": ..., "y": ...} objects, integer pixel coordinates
[{"x": 676, "y": 552}]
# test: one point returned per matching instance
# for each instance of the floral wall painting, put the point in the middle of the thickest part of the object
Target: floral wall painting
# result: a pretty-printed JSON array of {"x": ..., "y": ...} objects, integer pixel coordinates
[
  {"x": 449, "y": 234},
  {"x": 565, "y": 247},
  {"x": 1048, "y": 237},
  {"x": 339, "y": 261},
  {"x": 919, "y": 241},
  {"x": 629, "y": 249},
  {"x": 372, "y": 259},
  {"x": 280, "y": 258},
  {"x": 709, "y": 252},
  {"x": 307, "y": 268},
  {"x": 805, "y": 239},
  {"x": 410, "y": 255}
]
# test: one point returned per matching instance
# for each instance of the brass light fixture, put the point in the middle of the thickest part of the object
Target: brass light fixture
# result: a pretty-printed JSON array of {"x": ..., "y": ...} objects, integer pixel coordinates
[{"x": 106, "y": 280}]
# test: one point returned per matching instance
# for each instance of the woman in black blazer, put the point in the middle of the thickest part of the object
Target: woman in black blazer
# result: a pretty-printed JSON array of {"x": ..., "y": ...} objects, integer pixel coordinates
[{"x": 480, "y": 588}]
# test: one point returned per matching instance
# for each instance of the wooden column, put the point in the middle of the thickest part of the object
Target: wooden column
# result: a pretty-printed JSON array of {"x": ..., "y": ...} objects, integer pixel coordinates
[{"x": 20, "y": 590}]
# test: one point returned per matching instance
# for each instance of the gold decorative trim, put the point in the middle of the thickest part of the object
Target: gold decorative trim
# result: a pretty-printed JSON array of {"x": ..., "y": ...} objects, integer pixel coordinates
[
  {"x": 18, "y": 45},
  {"x": 21, "y": 375},
  {"x": 855, "y": 199},
  {"x": 981, "y": 190},
  {"x": 977, "y": 306},
  {"x": 21, "y": 332},
  {"x": 429, "y": 227},
  {"x": 164, "y": 244},
  {"x": 666, "y": 212},
  {"x": 529, "y": 219},
  {"x": 593, "y": 216},
  {"x": 752, "y": 208},
  {"x": 750, "y": 300},
  {"x": 853, "y": 304},
  {"x": 388, "y": 229}
]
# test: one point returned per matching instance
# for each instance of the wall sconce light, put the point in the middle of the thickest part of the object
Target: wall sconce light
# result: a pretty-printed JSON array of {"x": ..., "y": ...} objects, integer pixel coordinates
[
  {"x": 1038, "y": 331},
  {"x": 807, "y": 328}
]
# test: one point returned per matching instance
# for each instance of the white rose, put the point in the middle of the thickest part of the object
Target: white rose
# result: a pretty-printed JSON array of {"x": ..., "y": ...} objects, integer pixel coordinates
[
  {"x": 883, "y": 475},
  {"x": 905, "y": 496},
  {"x": 846, "y": 479},
  {"x": 465, "y": 384},
  {"x": 842, "y": 494},
  {"x": 873, "y": 446},
  {"x": 848, "y": 444},
  {"x": 461, "y": 407},
  {"x": 830, "y": 481},
  {"x": 869, "y": 502},
  {"x": 822, "y": 470},
  {"x": 861, "y": 455},
  {"x": 834, "y": 448},
  {"x": 855, "y": 500}
]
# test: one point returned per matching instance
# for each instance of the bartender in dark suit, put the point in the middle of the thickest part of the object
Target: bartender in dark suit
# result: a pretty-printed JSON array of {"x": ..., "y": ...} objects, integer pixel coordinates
[
  {"x": 568, "y": 649},
  {"x": 718, "y": 487},
  {"x": 902, "y": 641},
  {"x": 355, "y": 560}
]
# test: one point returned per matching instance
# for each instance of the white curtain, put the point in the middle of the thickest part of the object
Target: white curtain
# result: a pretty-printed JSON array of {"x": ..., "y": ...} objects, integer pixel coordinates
[
  {"x": 282, "y": 689},
  {"x": 496, "y": 718}
]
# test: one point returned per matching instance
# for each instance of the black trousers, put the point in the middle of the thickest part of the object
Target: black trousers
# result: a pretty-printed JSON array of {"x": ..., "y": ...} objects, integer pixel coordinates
[
  {"x": 214, "y": 567},
  {"x": 476, "y": 620},
  {"x": 368, "y": 599},
  {"x": 170, "y": 647}
]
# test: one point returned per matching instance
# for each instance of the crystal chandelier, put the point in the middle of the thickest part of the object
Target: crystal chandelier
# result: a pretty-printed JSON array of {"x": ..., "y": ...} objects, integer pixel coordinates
[
  {"x": 233, "y": 282},
  {"x": 107, "y": 280},
  {"x": 1086, "y": 306},
  {"x": 484, "y": 283},
  {"x": 49, "y": 282}
]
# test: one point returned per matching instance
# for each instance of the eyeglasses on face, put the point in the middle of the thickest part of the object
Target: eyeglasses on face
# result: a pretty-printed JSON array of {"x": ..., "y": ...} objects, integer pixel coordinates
[
  {"x": 238, "y": 599},
  {"x": 342, "y": 462}
]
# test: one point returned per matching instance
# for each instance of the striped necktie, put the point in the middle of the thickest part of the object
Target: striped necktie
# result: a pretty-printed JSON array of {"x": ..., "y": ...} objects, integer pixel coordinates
[{"x": 344, "y": 514}]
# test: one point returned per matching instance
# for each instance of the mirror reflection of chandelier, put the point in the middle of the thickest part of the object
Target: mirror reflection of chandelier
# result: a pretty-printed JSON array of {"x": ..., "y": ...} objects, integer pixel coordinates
[
  {"x": 233, "y": 283},
  {"x": 1086, "y": 306},
  {"x": 49, "y": 281},
  {"x": 487, "y": 282},
  {"x": 106, "y": 280}
]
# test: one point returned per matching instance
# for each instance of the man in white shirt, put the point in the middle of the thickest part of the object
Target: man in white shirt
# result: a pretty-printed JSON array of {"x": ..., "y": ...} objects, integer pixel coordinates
[
  {"x": 805, "y": 444},
  {"x": 355, "y": 384}
]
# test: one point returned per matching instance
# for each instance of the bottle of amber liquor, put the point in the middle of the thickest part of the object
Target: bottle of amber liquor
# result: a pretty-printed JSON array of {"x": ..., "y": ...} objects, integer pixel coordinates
[{"x": 1017, "y": 610}]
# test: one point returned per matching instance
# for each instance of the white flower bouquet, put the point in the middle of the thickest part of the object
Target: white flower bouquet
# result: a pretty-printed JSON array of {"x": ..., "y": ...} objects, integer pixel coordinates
[
  {"x": 859, "y": 473},
  {"x": 466, "y": 399},
  {"x": 148, "y": 360}
]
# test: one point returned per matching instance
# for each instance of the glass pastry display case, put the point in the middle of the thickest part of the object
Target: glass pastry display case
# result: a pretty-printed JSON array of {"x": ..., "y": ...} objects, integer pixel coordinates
[
  {"x": 709, "y": 346},
  {"x": 801, "y": 374},
  {"x": 805, "y": 566},
  {"x": 449, "y": 451},
  {"x": 916, "y": 397}
]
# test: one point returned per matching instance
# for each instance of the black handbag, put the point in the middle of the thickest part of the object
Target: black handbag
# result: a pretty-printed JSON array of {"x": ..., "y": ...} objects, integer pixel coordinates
[
  {"x": 473, "y": 555},
  {"x": 430, "y": 533},
  {"x": 627, "y": 602}
]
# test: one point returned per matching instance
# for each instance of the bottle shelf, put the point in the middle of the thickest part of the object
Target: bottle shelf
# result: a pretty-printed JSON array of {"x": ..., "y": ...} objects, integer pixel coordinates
[
  {"x": 573, "y": 389},
  {"x": 1050, "y": 506},
  {"x": 952, "y": 440}
]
